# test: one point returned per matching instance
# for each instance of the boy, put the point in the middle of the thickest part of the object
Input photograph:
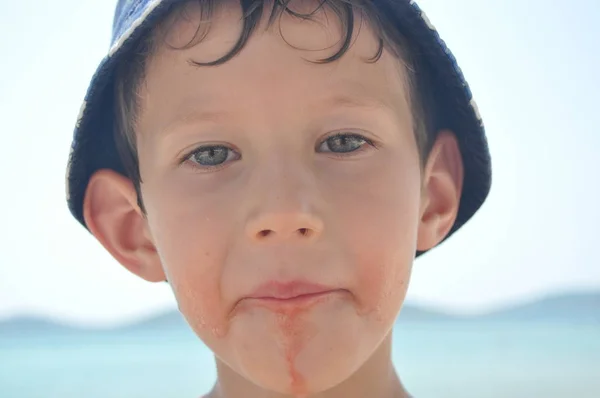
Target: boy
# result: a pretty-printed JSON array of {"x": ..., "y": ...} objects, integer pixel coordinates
[{"x": 280, "y": 164}]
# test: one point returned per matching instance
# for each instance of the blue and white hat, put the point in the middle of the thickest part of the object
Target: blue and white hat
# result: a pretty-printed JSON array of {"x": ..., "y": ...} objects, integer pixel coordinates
[{"x": 93, "y": 147}]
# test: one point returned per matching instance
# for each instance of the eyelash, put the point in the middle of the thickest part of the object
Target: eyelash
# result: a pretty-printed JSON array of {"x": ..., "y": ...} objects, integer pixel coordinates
[{"x": 339, "y": 155}]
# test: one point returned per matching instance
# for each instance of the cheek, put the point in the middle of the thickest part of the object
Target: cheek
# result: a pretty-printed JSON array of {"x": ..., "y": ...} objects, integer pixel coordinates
[
  {"x": 199, "y": 301},
  {"x": 383, "y": 244},
  {"x": 383, "y": 270},
  {"x": 191, "y": 246},
  {"x": 198, "y": 295}
]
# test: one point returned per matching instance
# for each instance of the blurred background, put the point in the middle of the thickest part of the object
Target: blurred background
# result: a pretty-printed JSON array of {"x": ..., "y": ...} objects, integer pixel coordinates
[{"x": 508, "y": 307}]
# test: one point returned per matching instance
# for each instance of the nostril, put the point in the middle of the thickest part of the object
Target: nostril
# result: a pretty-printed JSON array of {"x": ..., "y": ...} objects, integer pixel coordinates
[
  {"x": 265, "y": 232},
  {"x": 307, "y": 232}
]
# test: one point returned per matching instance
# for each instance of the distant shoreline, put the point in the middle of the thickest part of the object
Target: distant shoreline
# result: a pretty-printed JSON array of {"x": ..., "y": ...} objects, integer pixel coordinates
[{"x": 566, "y": 308}]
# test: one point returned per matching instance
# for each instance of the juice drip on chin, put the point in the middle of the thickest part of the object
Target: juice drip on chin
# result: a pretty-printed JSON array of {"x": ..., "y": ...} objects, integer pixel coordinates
[
  {"x": 296, "y": 332},
  {"x": 290, "y": 326}
]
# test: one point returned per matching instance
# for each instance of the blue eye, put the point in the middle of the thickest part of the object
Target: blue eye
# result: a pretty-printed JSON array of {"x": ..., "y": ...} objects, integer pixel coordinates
[
  {"x": 211, "y": 156},
  {"x": 344, "y": 143}
]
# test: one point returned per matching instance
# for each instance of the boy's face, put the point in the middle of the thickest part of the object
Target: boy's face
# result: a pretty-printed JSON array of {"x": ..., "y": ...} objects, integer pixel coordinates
[{"x": 277, "y": 209}]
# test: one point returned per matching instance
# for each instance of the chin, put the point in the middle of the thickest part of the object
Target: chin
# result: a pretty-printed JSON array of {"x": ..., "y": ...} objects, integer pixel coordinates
[
  {"x": 315, "y": 370},
  {"x": 301, "y": 357}
]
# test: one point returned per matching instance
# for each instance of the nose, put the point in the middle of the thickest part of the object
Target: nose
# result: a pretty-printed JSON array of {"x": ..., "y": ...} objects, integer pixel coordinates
[
  {"x": 285, "y": 201},
  {"x": 285, "y": 226}
]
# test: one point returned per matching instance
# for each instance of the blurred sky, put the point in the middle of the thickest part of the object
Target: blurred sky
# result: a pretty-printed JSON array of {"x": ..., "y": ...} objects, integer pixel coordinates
[{"x": 532, "y": 65}]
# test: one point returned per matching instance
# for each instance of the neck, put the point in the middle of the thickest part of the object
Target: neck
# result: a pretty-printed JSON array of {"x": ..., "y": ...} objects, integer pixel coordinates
[{"x": 377, "y": 378}]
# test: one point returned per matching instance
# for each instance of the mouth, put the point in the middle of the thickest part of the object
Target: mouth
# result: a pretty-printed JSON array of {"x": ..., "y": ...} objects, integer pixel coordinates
[
  {"x": 280, "y": 295},
  {"x": 277, "y": 290},
  {"x": 296, "y": 299}
]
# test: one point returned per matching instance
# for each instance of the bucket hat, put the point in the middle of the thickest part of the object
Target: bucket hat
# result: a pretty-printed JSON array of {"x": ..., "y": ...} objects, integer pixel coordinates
[{"x": 93, "y": 145}]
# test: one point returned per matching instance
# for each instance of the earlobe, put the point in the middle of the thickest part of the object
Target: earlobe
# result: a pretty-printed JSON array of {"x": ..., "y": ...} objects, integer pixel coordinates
[
  {"x": 442, "y": 188},
  {"x": 113, "y": 216}
]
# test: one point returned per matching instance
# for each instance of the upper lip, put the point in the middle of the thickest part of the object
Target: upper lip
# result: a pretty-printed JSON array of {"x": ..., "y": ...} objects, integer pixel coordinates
[{"x": 284, "y": 290}]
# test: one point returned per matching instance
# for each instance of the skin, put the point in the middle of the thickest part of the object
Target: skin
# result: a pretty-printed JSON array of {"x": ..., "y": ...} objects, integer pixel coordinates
[{"x": 285, "y": 205}]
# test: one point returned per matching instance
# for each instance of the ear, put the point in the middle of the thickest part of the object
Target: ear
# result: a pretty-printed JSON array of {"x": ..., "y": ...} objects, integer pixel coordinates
[
  {"x": 442, "y": 188},
  {"x": 112, "y": 214}
]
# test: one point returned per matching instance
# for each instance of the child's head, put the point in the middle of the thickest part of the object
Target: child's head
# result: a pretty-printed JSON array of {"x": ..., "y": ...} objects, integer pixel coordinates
[{"x": 309, "y": 158}]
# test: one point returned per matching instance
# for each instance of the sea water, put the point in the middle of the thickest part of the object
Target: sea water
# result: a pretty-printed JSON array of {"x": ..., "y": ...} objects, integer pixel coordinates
[{"x": 434, "y": 359}]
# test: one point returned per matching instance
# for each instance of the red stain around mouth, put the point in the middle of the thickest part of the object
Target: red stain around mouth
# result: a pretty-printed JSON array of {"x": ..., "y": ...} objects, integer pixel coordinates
[
  {"x": 290, "y": 326},
  {"x": 293, "y": 329},
  {"x": 295, "y": 332}
]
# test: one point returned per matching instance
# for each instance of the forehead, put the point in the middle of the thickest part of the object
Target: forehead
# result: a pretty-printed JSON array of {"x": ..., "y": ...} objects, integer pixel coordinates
[{"x": 282, "y": 52}]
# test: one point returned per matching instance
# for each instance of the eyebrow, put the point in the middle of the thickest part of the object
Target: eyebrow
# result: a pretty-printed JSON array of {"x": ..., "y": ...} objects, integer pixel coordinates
[
  {"x": 351, "y": 95},
  {"x": 353, "y": 101},
  {"x": 196, "y": 114}
]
